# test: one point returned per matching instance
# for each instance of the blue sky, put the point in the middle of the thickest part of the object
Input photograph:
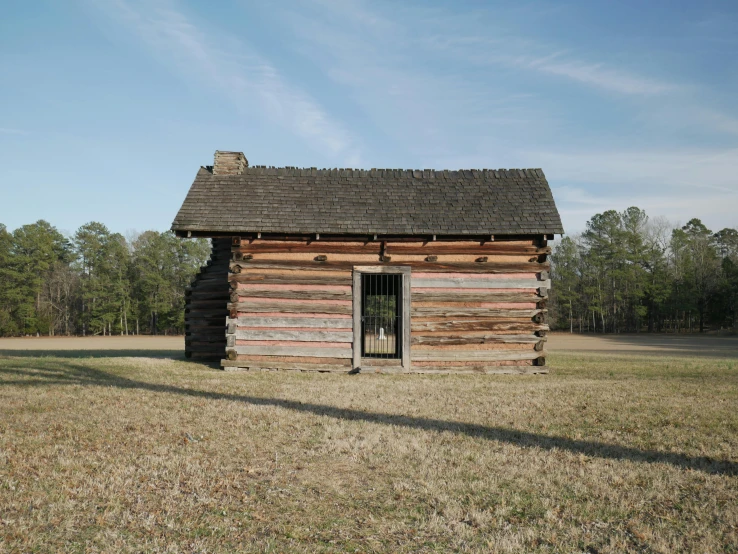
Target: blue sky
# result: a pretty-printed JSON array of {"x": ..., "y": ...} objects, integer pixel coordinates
[{"x": 108, "y": 107}]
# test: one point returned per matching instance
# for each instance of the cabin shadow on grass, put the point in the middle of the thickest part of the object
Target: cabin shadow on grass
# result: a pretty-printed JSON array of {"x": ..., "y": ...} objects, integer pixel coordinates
[{"x": 75, "y": 374}]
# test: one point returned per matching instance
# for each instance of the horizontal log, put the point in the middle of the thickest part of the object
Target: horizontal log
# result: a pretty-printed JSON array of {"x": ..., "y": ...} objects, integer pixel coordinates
[
  {"x": 317, "y": 247},
  {"x": 476, "y": 339},
  {"x": 368, "y": 258},
  {"x": 488, "y": 347},
  {"x": 206, "y": 281},
  {"x": 279, "y": 365},
  {"x": 203, "y": 280},
  {"x": 208, "y": 295},
  {"x": 491, "y": 305},
  {"x": 294, "y": 351},
  {"x": 450, "y": 311},
  {"x": 490, "y": 248},
  {"x": 473, "y": 355},
  {"x": 258, "y": 359},
  {"x": 205, "y": 331},
  {"x": 459, "y": 296},
  {"x": 214, "y": 336},
  {"x": 254, "y": 292},
  {"x": 460, "y": 325},
  {"x": 296, "y": 279},
  {"x": 212, "y": 321},
  {"x": 507, "y": 248},
  {"x": 291, "y": 343},
  {"x": 195, "y": 303},
  {"x": 274, "y": 307},
  {"x": 204, "y": 357},
  {"x": 206, "y": 334},
  {"x": 470, "y": 283},
  {"x": 326, "y": 323},
  {"x": 220, "y": 347},
  {"x": 310, "y": 336},
  {"x": 203, "y": 313},
  {"x": 219, "y": 286},
  {"x": 216, "y": 348},
  {"x": 216, "y": 265},
  {"x": 214, "y": 270},
  {"x": 468, "y": 267}
]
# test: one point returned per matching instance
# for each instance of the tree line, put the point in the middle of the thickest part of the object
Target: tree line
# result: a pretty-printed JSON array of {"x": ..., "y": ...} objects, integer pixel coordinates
[
  {"x": 626, "y": 272},
  {"x": 94, "y": 282},
  {"x": 629, "y": 273}
]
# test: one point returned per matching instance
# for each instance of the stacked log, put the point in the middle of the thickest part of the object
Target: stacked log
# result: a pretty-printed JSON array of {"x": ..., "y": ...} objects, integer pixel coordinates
[
  {"x": 476, "y": 307},
  {"x": 206, "y": 307},
  {"x": 288, "y": 314}
]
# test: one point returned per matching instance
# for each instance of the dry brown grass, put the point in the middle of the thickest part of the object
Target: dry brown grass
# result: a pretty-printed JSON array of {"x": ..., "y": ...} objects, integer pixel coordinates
[{"x": 606, "y": 454}]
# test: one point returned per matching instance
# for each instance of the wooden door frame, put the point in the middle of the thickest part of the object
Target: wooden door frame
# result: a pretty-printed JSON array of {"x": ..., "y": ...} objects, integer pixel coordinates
[{"x": 405, "y": 273}]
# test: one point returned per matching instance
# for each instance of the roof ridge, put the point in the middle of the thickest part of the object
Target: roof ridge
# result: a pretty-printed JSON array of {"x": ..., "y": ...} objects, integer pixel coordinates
[{"x": 252, "y": 168}]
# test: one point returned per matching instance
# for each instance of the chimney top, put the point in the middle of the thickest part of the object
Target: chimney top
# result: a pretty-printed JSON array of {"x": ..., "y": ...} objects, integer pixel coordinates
[{"x": 229, "y": 163}]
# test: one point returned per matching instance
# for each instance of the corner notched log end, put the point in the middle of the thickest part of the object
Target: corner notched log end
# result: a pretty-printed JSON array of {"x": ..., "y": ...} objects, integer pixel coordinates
[{"x": 206, "y": 307}]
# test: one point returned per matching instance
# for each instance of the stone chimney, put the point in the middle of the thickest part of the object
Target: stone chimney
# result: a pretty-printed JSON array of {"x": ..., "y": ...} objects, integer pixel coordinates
[{"x": 229, "y": 163}]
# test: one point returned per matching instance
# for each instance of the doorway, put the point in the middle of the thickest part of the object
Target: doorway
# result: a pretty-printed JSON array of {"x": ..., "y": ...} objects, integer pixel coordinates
[{"x": 381, "y": 315}]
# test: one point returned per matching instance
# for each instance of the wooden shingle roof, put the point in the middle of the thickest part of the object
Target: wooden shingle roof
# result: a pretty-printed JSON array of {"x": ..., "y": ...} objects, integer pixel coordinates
[{"x": 377, "y": 201}]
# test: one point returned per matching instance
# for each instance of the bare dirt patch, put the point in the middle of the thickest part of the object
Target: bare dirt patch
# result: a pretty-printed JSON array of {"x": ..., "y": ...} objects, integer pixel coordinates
[{"x": 96, "y": 347}]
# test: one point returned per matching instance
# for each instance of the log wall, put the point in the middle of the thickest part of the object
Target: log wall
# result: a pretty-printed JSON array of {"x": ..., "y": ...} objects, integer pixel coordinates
[
  {"x": 475, "y": 306},
  {"x": 206, "y": 306}
]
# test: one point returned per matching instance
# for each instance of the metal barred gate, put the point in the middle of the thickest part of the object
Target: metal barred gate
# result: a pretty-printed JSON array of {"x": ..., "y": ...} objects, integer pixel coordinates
[{"x": 381, "y": 315}]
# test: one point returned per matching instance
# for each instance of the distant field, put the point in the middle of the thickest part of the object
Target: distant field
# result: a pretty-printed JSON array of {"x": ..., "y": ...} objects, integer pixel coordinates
[
  {"x": 656, "y": 344},
  {"x": 650, "y": 344},
  {"x": 608, "y": 453},
  {"x": 86, "y": 346}
]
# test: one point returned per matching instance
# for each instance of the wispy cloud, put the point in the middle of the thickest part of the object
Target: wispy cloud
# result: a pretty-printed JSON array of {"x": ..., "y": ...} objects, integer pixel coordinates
[
  {"x": 601, "y": 76},
  {"x": 496, "y": 45},
  {"x": 527, "y": 55},
  {"x": 253, "y": 84},
  {"x": 391, "y": 73}
]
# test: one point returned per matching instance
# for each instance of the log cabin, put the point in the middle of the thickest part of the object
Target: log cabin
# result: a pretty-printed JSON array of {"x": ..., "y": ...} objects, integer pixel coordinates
[{"x": 381, "y": 270}]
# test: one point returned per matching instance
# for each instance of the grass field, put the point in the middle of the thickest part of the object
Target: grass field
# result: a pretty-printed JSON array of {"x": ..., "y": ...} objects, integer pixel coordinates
[{"x": 608, "y": 453}]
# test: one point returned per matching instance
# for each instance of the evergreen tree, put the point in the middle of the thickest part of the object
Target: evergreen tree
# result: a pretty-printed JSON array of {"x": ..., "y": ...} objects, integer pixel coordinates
[
  {"x": 8, "y": 324},
  {"x": 694, "y": 250},
  {"x": 35, "y": 249}
]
